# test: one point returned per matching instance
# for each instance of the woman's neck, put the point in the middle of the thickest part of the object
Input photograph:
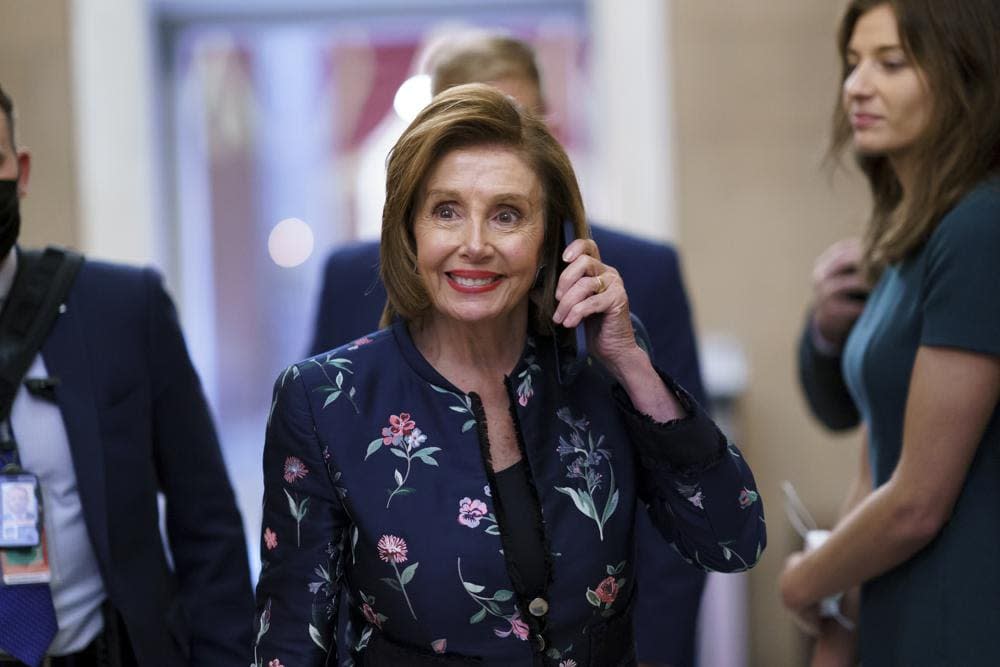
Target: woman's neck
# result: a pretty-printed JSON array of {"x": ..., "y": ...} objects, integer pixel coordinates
[{"x": 470, "y": 354}]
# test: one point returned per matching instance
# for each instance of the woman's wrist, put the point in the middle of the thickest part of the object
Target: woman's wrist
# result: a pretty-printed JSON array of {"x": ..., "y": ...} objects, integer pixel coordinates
[{"x": 649, "y": 394}]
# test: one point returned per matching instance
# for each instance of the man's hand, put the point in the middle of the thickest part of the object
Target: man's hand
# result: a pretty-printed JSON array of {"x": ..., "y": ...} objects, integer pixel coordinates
[{"x": 840, "y": 290}]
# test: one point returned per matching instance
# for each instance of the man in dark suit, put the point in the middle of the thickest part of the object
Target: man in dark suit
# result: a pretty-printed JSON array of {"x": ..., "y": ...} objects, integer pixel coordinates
[
  {"x": 352, "y": 298},
  {"x": 115, "y": 417}
]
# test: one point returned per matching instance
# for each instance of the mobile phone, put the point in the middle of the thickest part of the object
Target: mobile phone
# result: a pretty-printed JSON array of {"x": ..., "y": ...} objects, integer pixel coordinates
[{"x": 570, "y": 360}]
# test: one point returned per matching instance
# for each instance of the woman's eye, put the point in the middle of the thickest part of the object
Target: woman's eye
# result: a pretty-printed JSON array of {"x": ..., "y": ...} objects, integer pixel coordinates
[
  {"x": 893, "y": 65},
  {"x": 444, "y": 211},
  {"x": 508, "y": 216}
]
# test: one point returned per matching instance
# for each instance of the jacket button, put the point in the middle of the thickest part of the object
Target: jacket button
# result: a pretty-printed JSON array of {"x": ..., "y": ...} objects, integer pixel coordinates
[{"x": 538, "y": 607}]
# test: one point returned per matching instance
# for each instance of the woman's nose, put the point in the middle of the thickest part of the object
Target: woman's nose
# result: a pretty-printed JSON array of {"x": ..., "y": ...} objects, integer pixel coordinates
[
  {"x": 858, "y": 83},
  {"x": 476, "y": 242}
]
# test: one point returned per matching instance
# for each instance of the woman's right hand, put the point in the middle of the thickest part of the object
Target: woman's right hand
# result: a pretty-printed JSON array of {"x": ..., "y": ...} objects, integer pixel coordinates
[{"x": 840, "y": 291}]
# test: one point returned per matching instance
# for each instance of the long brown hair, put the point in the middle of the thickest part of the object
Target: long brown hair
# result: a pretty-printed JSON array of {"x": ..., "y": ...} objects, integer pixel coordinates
[
  {"x": 956, "y": 44},
  {"x": 472, "y": 115}
]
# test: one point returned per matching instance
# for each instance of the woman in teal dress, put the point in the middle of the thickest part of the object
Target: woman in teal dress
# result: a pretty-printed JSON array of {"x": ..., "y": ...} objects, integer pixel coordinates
[{"x": 921, "y": 537}]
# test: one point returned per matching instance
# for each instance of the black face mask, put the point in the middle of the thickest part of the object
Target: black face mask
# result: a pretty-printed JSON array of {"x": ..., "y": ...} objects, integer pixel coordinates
[{"x": 10, "y": 216}]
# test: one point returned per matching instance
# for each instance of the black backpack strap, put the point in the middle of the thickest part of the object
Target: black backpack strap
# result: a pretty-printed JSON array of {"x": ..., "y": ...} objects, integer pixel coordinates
[{"x": 43, "y": 280}]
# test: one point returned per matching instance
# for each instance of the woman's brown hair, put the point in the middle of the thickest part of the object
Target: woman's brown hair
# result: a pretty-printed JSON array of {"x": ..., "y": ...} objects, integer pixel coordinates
[
  {"x": 472, "y": 115},
  {"x": 956, "y": 45}
]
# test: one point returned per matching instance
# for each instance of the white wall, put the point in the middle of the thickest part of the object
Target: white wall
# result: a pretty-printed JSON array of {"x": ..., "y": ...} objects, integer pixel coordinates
[{"x": 112, "y": 93}]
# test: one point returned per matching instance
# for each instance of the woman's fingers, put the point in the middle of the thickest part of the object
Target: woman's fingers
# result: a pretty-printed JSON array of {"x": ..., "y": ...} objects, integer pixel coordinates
[
  {"x": 589, "y": 295},
  {"x": 583, "y": 267},
  {"x": 581, "y": 247}
]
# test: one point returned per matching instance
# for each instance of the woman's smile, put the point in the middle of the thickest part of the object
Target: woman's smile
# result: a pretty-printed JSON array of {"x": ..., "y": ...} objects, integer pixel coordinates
[{"x": 473, "y": 282}]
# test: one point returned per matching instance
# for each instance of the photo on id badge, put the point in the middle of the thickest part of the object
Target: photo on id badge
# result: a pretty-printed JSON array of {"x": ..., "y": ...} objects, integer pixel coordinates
[
  {"x": 23, "y": 556},
  {"x": 19, "y": 513}
]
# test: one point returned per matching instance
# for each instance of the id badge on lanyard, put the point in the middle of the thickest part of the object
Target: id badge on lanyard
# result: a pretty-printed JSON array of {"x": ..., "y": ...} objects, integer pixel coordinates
[{"x": 23, "y": 554}]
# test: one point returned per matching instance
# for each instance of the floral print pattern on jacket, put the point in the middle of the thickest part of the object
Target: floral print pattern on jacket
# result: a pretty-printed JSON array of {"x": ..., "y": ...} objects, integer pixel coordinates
[{"x": 386, "y": 498}]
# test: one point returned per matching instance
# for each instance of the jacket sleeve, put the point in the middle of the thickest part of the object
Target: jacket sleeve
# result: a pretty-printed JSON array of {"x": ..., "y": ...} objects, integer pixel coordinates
[
  {"x": 305, "y": 529},
  {"x": 699, "y": 489},
  {"x": 203, "y": 524},
  {"x": 823, "y": 385}
]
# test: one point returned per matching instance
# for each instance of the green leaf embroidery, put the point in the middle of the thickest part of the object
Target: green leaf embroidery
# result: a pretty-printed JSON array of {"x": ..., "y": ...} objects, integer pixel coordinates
[
  {"x": 585, "y": 506},
  {"x": 592, "y": 598},
  {"x": 610, "y": 508},
  {"x": 407, "y": 574},
  {"x": 315, "y": 635},
  {"x": 298, "y": 510},
  {"x": 393, "y": 583},
  {"x": 478, "y": 616},
  {"x": 467, "y": 425},
  {"x": 474, "y": 588},
  {"x": 398, "y": 452},
  {"x": 398, "y": 476},
  {"x": 503, "y": 595},
  {"x": 373, "y": 447},
  {"x": 334, "y": 395}
]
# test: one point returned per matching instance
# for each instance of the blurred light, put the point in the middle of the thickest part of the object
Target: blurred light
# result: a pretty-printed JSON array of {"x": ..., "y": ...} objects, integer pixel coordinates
[
  {"x": 413, "y": 95},
  {"x": 290, "y": 242}
]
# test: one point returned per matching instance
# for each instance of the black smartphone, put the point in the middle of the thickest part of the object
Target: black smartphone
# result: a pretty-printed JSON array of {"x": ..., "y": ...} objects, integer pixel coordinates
[{"x": 570, "y": 360}]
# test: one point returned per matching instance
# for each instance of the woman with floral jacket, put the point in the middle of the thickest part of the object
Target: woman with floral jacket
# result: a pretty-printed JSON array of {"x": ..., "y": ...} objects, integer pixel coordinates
[{"x": 468, "y": 491}]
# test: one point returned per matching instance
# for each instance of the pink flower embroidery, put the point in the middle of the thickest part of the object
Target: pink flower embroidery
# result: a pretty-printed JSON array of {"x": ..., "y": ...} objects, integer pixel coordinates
[
  {"x": 371, "y": 616},
  {"x": 471, "y": 511},
  {"x": 364, "y": 340},
  {"x": 568, "y": 663},
  {"x": 439, "y": 645},
  {"x": 270, "y": 539},
  {"x": 525, "y": 392},
  {"x": 295, "y": 469},
  {"x": 517, "y": 627},
  {"x": 607, "y": 590},
  {"x": 747, "y": 498},
  {"x": 399, "y": 426},
  {"x": 392, "y": 549},
  {"x": 275, "y": 663}
]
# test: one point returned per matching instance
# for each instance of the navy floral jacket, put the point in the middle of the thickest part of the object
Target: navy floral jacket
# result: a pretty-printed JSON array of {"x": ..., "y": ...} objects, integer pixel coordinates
[{"x": 378, "y": 486}]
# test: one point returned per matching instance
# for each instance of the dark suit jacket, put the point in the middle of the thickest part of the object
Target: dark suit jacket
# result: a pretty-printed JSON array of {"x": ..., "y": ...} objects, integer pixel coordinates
[
  {"x": 137, "y": 423},
  {"x": 351, "y": 303}
]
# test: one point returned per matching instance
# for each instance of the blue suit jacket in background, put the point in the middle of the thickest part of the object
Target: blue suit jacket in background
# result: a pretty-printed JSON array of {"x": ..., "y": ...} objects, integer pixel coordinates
[
  {"x": 138, "y": 424},
  {"x": 351, "y": 303}
]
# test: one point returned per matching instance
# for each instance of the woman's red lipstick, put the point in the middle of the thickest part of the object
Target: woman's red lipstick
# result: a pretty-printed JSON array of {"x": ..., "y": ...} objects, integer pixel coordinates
[{"x": 468, "y": 281}]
